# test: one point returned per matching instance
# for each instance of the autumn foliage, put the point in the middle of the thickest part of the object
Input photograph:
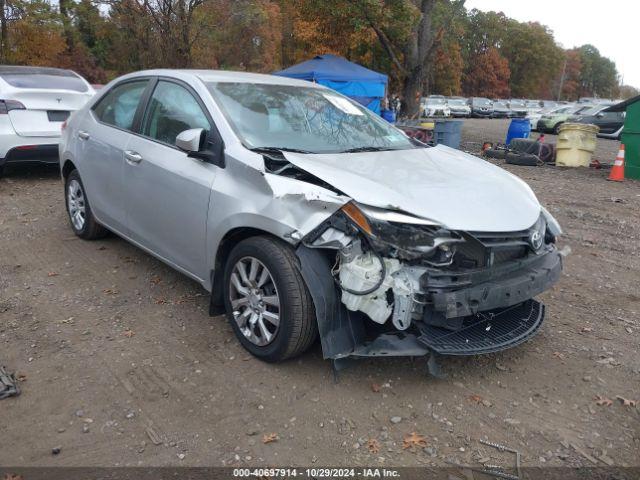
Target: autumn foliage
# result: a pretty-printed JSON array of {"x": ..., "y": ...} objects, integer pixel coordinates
[{"x": 426, "y": 46}]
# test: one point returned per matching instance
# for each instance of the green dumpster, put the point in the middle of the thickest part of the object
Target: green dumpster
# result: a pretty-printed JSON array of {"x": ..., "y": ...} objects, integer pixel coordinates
[{"x": 630, "y": 135}]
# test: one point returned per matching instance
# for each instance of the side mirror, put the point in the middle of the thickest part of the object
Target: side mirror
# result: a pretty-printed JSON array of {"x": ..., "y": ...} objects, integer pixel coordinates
[
  {"x": 600, "y": 115},
  {"x": 197, "y": 145},
  {"x": 191, "y": 140}
]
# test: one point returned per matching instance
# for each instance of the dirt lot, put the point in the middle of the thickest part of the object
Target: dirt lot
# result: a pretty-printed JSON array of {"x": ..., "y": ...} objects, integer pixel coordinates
[{"x": 122, "y": 365}]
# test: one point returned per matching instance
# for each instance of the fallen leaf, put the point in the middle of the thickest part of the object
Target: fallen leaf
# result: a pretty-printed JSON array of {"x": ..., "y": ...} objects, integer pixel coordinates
[
  {"x": 603, "y": 401},
  {"x": 558, "y": 355},
  {"x": 625, "y": 402},
  {"x": 110, "y": 291},
  {"x": 587, "y": 329},
  {"x": 11, "y": 476},
  {"x": 52, "y": 274},
  {"x": 160, "y": 301},
  {"x": 269, "y": 437},
  {"x": 373, "y": 445},
  {"x": 476, "y": 398},
  {"x": 413, "y": 440},
  {"x": 375, "y": 387},
  {"x": 21, "y": 377},
  {"x": 156, "y": 280},
  {"x": 129, "y": 333}
]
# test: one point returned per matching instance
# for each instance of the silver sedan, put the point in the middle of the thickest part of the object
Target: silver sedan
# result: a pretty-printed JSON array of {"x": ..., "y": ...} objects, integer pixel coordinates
[{"x": 305, "y": 215}]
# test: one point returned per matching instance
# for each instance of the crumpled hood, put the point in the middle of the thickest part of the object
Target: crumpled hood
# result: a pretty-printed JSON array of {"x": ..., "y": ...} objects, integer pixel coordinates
[{"x": 455, "y": 189}]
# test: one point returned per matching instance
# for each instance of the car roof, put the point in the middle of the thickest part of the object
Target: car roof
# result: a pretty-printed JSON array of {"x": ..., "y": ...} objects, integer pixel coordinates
[{"x": 226, "y": 76}]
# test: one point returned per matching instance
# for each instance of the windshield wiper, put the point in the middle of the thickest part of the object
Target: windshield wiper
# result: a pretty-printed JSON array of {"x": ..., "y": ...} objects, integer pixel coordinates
[
  {"x": 278, "y": 149},
  {"x": 367, "y": 149}
]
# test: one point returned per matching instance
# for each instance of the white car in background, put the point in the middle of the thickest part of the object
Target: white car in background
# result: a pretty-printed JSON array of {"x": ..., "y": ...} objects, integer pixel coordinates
[
  {"x": 34, "y": 102},
  {"x": 435, "y": 106}
]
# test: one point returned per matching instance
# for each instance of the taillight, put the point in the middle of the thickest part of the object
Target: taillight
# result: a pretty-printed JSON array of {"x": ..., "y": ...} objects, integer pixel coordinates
[
  {"x": 63, "y": 127},
  {"x": 7, "y": 105}
]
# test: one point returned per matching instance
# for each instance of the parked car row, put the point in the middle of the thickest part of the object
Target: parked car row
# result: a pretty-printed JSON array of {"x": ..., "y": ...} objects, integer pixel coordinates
[
  {"x": 550, "y": 120},
  {"x": 544, "y": 115},
  {"x": 480, "y": 107}
]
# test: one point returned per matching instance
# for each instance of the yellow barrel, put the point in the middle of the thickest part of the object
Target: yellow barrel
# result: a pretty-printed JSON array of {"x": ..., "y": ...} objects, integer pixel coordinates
[
  {"x": 429, "y": 125},
  {"x": 576, "y": 144}
]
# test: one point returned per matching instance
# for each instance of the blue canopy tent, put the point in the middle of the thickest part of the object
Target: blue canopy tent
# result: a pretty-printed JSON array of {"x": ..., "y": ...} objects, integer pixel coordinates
[{"x": 361, "y": 84}]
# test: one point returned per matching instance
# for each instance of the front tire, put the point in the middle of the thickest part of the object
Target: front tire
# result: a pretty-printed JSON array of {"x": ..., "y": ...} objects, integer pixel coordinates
[
  {"x": 81, "y": 218},
  {"x": 556, "y": 128},
  {"x": 267, "y": 302}
]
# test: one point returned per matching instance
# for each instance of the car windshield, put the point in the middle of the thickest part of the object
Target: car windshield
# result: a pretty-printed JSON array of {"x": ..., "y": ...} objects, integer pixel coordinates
[
  {"x": 481, "y": 101},
  {"x": 517, "y": 103},
  {"x": 435, "y": 101},
  {"x": 592, "y": 110},
  {"x": 500, "y": 104},
  {"x": 309, "y": 119},
  {"x": 457, "y": 101},
  {"x": 581, "y": 109}
]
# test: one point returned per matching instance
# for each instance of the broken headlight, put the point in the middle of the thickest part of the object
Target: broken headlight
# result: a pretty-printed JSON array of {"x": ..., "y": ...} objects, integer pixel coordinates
[
  {"x": 407, "y": 234},
  {"x": 553, "y": 227}
]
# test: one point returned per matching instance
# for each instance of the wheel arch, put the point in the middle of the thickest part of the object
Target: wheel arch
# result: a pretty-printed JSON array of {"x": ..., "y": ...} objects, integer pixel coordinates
[
  {"x": 228, "y": 241},
  {"x": 67, "y": 167}
]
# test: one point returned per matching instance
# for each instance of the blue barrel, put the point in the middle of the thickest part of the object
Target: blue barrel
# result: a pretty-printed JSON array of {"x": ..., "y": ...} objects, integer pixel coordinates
[
  {"x": 518, "y": 128},
  {"x": 388, "y": 115},
  {"x": 447, "y": 132}
]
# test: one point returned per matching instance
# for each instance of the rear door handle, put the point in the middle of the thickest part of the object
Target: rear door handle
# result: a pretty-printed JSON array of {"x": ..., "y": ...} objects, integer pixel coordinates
[
  {"x": 83, "y": 135},
  {"x": 132, "y": 157}
]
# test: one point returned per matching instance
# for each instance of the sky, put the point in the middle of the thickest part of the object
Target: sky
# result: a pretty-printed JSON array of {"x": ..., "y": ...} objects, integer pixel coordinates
[{"x": 612, "y": 26}]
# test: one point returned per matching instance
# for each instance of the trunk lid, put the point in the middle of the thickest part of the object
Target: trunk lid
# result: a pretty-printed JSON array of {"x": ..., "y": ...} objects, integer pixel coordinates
[{"x": 45, "y": 110}]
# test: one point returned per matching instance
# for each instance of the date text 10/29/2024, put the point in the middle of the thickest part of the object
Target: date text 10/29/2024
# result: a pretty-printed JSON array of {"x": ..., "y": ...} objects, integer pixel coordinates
[{"x": 315, "y": 473}]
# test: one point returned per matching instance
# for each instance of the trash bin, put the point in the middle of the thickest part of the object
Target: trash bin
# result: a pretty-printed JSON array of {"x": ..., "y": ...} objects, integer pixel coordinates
[
  {"x": 576, "y": 144},
  {"x": 518, "y": 128},
  {"x": 388, "y": 115},
  {"x": 447, "y": 132}
]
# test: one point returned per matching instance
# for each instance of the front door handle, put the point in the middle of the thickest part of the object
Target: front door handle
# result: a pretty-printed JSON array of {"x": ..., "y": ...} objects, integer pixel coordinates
[
  {"x": 132, "y": 157},
  {"x": 83, "y": 135}
]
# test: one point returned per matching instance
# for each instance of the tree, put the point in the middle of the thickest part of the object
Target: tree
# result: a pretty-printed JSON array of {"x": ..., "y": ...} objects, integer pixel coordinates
[
  {"x": 33, "y": 34},
  {"x": 448, "y": 67},
  {"x": 534, "y": 59},
  {"x": 627, "y": 91},
  {"x": 598, "y": 75},
  {"x": 569, "y": 82},
  {"x": 489, "y": 76}
]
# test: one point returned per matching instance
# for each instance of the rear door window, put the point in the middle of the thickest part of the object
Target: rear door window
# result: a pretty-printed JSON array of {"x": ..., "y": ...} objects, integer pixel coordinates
[{"x": 119, "y": 106}]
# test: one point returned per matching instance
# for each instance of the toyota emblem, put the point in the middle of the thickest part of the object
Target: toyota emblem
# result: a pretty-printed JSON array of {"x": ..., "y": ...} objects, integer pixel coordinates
[{"x": 535, "y": 239}]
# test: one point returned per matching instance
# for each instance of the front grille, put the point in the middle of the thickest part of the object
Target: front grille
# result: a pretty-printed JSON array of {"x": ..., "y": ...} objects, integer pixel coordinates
[{"x": 482, "y": 249}]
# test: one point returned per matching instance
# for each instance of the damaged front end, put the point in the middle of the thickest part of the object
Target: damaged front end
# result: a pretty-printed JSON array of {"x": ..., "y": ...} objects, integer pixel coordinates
[{"x": 387, "y": 283}]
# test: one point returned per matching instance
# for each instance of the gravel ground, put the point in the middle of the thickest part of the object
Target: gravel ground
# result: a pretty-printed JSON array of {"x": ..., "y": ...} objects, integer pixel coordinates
[{"x": 120, "y": 364}]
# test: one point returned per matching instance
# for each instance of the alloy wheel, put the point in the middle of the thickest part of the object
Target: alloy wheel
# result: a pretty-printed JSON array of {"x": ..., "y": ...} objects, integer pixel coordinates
[
  {"x": 255, "y": 301},
  {"x": 76, "y": 204}
]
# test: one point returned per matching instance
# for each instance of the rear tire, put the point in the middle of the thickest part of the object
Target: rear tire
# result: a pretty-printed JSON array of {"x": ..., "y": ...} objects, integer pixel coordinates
[
  {"x": 81, "y": 218},
  {"x": 249, "y": 312}
]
